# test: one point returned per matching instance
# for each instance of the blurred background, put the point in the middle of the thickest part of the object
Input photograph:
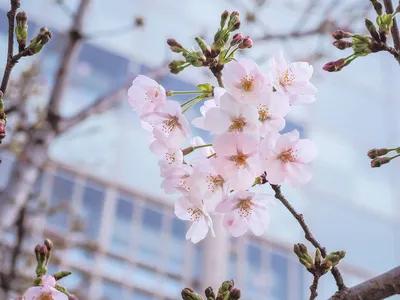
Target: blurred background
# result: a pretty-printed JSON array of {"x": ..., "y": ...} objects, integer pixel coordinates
[{"x": 93, "y": 186}]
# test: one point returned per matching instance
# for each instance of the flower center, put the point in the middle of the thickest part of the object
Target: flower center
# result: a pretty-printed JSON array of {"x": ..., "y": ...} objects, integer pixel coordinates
[
  {"x": 170, "y": 158},
  {"x": 286, "y": 78},
  {"x": 195, "y": 214},
  {"x": 237, "y": 124},
  {"x": 152, "y": 94},
  {"x": 263, "y": 113},
  {"x": 170, "y": 124},
  {"x": 183, "y": 184},
  {"x": 240, "y": 159},
  {"x": 245, "y": 207},
  {"x": 287, "y": 156},
  {"x": 247, "y": 83},
  {"x": 46, "y": 296},
  {"x": 214, "y": 182}
]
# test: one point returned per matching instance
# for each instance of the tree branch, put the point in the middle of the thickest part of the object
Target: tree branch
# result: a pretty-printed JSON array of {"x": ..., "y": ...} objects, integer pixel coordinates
[
  {"x": 10, "y": 48},
  {"x": 314, "y": 287},
  {"x": 100, "y": 105},
  {"x": 67, "y": 61},
  {"x": 307, "y": 233},
  {"x": 395, "y": 30},
  {"x": 379, "y": 287}
]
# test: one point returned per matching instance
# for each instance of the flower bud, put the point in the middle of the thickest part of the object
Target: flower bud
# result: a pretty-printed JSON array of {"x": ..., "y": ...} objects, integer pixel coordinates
[
  {"x": 332, "y": 259},
  {"x": 246, "y": 43},
  {"x": 385, "y": 22},
  {"x": 374, "y": 153},
  {"x": 227, "y": 285},
  {"x": 21, "y": 29},
  {"x": 335, "y": 66},
  {"x": 377, "y": 162},
  {"x": 340, "y": 34},
  {"x": 224, "y": 17},
  {"x": 40, "y": 40},
  {"x": 372, "y": 30},
  {"x": 234, "y": 21},
  {"x": 237, "y": 39},
  {"x": 49, "y": 244},
  {"x": 2, "y": 129},
  {"x": 177, "y": 66},
  {"x": 210, "y": 295},
  {"x": 361, "y": 45},
  {"x": 377, "y": 6},
  {"x": 203, "y": 46},
  {"x": 341, "y": 44},
  {"x": 234, "y": 294},
  {"x": 175, "y": 46},
  {"x": 189, "y": 294},
  {"x": 304, "y": 258},
  {"x": 318, "y": 257}
]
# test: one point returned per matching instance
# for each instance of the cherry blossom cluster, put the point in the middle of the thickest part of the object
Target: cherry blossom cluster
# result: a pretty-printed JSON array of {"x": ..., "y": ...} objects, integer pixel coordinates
[{"x": 244, "y": 119}]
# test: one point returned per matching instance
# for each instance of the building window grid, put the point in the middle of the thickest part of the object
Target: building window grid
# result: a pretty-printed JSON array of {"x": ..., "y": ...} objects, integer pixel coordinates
[{"x": 94, "y": 273}]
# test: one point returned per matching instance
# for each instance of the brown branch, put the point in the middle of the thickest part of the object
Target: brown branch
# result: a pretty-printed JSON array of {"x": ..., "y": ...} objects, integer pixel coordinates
[
  {"x": 379, "y": 287},
  {"x": 394, "y": 30},
  {"x": 10, "y": 48},
  {"x": 67, "y": 61},
  {"x": 307, "y": 233},
  {"x": 104, "y": 102},
  {"x": 100, "y": 105},
  {"x": 314, "y": 287}
]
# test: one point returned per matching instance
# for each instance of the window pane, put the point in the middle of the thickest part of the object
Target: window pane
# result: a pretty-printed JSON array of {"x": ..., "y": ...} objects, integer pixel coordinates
[
  {"x": 60, "y": 199},
  {"x": 175, "y": 247},
  {"x": 138, "y": 295},
  {"x": 122, "y": 231},
  {"x": 279, "y": 270},
  {"x": 149, "y": 247},
  {"x": 92, "y": 205},
  {"x": 147, "y": 278},
  {"x": 112, "y": 291}
]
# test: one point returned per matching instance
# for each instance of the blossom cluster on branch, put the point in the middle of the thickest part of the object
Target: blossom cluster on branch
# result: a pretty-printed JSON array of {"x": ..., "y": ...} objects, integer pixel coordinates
[{"x": 244, "y": 119}]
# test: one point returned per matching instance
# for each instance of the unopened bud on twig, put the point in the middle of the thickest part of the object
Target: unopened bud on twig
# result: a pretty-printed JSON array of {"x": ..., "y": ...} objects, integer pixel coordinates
[
  {"x": 175, "y": 46},
  {"x": 246, "y": 43},
  {"x": 210, "y": 295},
  {"x": 40, "y": 40},
  {"x": 305, "y": 259},
  {"x": 377, "y": 6},
  {"x": 374, "y": 153},
  {"x": 224, "y": 17},
  {"x": 237, "y": 39},
  {"x": 177, "y": 66},
  {"x": 340, "y": 34},
  {"x": 377, "y": 162},
  {"x": 341, "y": 44},
  {"x": 332, "y": 259},
  {"x": 335, "y": 66},
  {"x": 372, "y": 29},
  {"x": 189, "y": 294},
  {"x": 21, "y": 29},
  {"x": 234, "y": 21},
  {"x": 234, "y": 294}
]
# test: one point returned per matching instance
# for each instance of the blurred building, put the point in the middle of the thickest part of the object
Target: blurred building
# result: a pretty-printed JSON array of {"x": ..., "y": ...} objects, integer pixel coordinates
[{"x": 122, "y": 239}]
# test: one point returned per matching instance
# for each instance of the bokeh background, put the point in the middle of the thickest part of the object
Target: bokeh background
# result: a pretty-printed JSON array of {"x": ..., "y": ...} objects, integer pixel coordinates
[{"x": 98, "y": 195}]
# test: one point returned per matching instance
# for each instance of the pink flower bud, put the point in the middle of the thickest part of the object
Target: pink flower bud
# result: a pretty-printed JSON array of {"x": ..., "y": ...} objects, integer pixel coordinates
[
  {"x": 237, "y": 39},
  {"x": 334, "y": 66},
  {"x": 246, "y": 43}
]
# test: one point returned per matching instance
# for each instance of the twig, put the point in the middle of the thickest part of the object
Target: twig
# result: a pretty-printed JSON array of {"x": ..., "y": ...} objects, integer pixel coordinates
[
  {"x": 67, "y": 61},
  {"x": 379, "y": 287},
  {"x": 395, "y": 30},
  {"x": 10, "y": 48},
  {"x": 307, "y": 233},
  {"x": 314, "y": 287}
]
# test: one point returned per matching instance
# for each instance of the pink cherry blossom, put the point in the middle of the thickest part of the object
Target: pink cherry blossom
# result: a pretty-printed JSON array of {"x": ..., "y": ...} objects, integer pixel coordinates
[
  {"x": 245, "y": 210},
  {"x": 145, "y": 95},
  {"x": 168, "y": 153},
  {"x": 195, "y": 211},
  {"x": 245, "y": 81},
  {"x": 288, "y": 158},
  {"x": 231, "y": 116},
  {"x": 237, "y": 159},
  {"x": 272, "y": 108},
  {"x": 46, "y": 290},
  {"x": 293, "y": 79},
  {"x": 207, "y": 105},
  {"x": 169, "y": 120},
  {"x": 206, "y": 182},
  {"x": 176, "y": 178}
]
